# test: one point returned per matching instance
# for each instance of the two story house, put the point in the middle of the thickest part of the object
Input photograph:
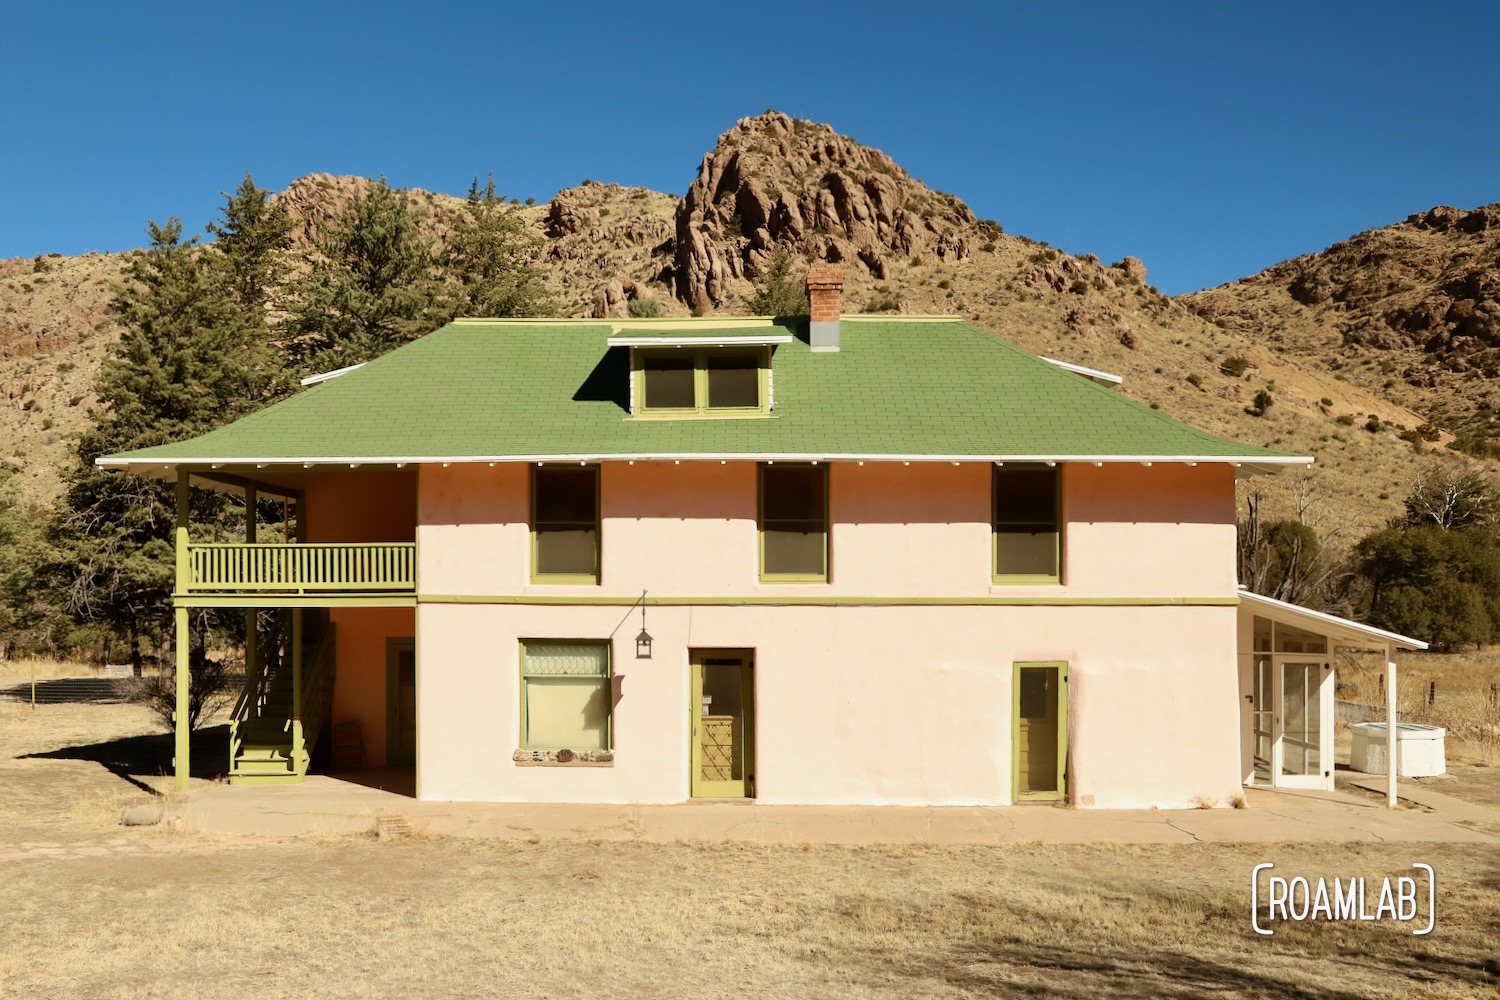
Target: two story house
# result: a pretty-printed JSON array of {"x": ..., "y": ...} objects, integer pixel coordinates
[{"x": 874, "y": 559}]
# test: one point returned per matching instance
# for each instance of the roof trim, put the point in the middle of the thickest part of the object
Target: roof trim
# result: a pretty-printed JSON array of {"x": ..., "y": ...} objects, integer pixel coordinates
[
  {"x": 1322, "y": 620},
  {"x": 1252, "y": 461},
  {"x": 1092, "y": 374},
  {"x": 325, "y": 376},
  {"x": 624, "y": 340}
]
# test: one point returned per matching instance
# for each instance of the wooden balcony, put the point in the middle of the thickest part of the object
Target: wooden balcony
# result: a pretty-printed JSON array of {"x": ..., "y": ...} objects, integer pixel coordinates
[{"x": 299, "y": 569}]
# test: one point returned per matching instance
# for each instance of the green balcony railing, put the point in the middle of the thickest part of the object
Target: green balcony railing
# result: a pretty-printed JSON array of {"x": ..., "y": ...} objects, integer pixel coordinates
[{"x": 301, "y": 568}]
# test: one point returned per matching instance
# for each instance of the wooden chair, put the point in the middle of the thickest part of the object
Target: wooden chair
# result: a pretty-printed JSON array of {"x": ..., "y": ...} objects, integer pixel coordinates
[{"x": 348, "y": 747}]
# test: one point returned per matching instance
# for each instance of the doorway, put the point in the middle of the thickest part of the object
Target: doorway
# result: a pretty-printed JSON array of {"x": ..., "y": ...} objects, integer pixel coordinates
[
  {"x": 1039, "y": 732},
  {"x": 722, "y": 723},
  {"x": 400, "y": 702},
  {"x": 1291, "y": 707}
]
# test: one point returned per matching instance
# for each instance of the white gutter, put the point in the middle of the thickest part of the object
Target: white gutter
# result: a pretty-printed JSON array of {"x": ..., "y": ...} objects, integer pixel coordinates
[
  {"x": 1092, "y": 374},
  {"x": 1254, "y": 462},
  {"x": 315, "y": 379}
]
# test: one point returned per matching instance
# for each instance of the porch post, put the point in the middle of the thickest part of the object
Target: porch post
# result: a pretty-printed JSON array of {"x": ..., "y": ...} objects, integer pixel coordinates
[
  {"x": 180, "y": 536},
  {"x": 297, "y": 689},
  {"x": 1391, "y": 743},
  {"x": 252, "y": 616},
  {"x": 180, "y": 762}
]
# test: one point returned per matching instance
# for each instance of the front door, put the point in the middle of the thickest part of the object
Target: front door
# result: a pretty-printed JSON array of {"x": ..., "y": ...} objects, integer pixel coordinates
[
  {"x": 722, "y": 723},
  {"x": 1039, "y": 728},
  {"x": 400, "y": 702}
]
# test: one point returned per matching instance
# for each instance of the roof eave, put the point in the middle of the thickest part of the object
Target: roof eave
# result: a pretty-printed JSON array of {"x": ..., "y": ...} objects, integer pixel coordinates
[
  {"x": 1252, "y": 464},
  {"x": 1331, "y": 625}
]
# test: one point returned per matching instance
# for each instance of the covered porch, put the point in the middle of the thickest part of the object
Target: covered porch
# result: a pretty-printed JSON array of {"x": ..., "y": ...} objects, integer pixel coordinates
[
  {"x": 334, "y": 594},
  {"x": 1287, "y": 684}
]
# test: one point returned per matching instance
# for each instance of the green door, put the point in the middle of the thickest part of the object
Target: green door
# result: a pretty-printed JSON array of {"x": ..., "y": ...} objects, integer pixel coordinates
[
  {"x": 400, "y": 702},
  {"x": 1039, "y": 728},
  {"x": 722, "y": 723}
]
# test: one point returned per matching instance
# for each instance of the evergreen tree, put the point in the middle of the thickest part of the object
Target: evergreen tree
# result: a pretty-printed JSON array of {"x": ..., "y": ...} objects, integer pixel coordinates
[
  {"x": 489, "y": 256},
  {"x": 251, "y": 240},
  {"x": 372, "y": 284},
  {"x": 190, "y": 359},
  {"x": 779, "y": 290}
]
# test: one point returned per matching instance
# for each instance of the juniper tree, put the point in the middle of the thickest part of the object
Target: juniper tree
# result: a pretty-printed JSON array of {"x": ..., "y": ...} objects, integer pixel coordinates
[{"x": 489, "y": 259}]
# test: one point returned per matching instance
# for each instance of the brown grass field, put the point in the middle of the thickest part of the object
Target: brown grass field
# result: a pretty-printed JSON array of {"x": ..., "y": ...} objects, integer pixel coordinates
[{"x": 91, "y": 909}]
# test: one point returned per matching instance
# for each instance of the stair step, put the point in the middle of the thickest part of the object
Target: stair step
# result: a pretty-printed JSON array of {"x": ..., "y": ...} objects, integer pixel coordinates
[
  {"x": 287, "y": 778},
  {"x": 262, "y": 767}
]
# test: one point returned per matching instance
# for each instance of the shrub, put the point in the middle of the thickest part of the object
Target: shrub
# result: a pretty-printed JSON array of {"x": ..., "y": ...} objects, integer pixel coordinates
[
  {"x": 1262, "y": 403},
  {"x": 1326, "y": 401},
  {"x": 1373, "y": 424},
  {"x": 210, "y": 688},
  {"x": 646, "y": 309},
  {"x": 1347, "y": 419},
  {"x": 1195, "y": 380},
  {"x": 1235, "y": 365}
]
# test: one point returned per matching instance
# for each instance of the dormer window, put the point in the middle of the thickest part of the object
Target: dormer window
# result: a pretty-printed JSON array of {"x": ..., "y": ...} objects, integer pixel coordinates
[
  {"x": 702, "y": 382},
  {"x": 678, "y": 375}
]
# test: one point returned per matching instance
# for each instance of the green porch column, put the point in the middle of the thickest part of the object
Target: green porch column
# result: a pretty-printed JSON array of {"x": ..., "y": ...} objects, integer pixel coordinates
[
  {"x": 252, "y": 616},
  {"x": 180, "y": 762},
  {"x": 297, "y": 689}
]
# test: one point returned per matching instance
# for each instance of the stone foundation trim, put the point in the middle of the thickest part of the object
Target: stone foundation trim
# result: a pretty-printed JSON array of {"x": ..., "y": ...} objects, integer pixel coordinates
[{"x": 564, "y": 758}]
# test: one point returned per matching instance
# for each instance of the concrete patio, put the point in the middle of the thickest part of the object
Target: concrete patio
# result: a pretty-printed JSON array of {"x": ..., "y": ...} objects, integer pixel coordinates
[{"x": 326, "y": 805}]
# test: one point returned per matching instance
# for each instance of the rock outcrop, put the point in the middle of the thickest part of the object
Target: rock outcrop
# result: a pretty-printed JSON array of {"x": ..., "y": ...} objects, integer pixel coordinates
[{"x": 776, "y": 180}]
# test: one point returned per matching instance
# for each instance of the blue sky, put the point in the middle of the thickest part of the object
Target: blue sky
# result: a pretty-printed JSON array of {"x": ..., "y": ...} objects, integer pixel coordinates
[{"x": 1210, "y": 139}]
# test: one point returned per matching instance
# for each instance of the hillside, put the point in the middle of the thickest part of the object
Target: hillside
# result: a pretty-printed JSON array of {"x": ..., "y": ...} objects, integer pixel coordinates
[{"x": 773, "y": 180}]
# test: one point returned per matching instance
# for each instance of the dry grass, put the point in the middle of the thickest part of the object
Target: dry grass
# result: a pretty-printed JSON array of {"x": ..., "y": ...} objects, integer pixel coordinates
[
  {"x": 1460, "y": 685},
  {"x": 44, "y": 669},
  {"x": 362, "y": 917},
  {"x": 135, "y": 913}
]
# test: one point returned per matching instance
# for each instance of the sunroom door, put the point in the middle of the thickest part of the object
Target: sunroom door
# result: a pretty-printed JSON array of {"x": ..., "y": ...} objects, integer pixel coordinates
[{"x": 1302, "y": 723}]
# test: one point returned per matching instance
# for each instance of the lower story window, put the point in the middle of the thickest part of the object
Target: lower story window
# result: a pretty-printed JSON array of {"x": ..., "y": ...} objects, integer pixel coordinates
[{"x": 565, "y": 696}]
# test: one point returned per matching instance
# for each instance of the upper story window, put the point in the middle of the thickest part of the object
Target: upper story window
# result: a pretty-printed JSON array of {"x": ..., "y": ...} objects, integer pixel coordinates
[
  {"x": 793, "y": 523},
  {"x": 1027, "y": 524},
  {"x": 702, "y": 382},
  {"x": 565, "y": 524}
]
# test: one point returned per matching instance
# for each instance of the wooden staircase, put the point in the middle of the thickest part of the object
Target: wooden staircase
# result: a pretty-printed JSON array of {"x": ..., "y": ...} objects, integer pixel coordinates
[{"x": 267, "y": 744}]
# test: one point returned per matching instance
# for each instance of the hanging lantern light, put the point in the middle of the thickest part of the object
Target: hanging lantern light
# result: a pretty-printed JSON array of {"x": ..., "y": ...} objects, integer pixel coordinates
[{"x": 643, "y": 641}]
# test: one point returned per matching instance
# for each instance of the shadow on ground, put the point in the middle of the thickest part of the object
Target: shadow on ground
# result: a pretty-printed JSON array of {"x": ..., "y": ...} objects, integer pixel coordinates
[
  {"x": 132, "y": 758},
  {"x": 399, "y": 780},
  {"x": 1085, "y": 976}
]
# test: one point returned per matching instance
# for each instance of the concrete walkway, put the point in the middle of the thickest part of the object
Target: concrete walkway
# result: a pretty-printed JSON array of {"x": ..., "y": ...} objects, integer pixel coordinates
[{"x": 325, "y": 805}]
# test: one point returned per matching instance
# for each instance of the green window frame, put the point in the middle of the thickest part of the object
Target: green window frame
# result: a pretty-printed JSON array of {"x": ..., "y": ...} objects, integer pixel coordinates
[
  {"x": 1026, "y": 525},
  {"x": 566, "y": 695},
  {"x": 793, "y": 522},
  {"x": 701, "y": 382},
  {"x": 565, "y": 528}
]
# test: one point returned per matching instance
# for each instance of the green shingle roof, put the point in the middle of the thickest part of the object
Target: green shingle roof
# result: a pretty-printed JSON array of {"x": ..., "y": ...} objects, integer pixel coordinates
[{"x": 900, "y": 386}]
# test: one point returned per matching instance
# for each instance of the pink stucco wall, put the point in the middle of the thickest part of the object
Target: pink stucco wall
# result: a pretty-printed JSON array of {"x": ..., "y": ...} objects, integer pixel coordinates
[
  {"x": 898, "y": 530},
  {"x": 361, "y": 506},
  {"x": 889, "y": 705},
  {"x": 359, "y": 689}
]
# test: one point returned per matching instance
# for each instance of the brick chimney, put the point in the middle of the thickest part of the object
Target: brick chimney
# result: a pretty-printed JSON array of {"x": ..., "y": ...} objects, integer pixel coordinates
[{"x": 825, "y": 286}]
